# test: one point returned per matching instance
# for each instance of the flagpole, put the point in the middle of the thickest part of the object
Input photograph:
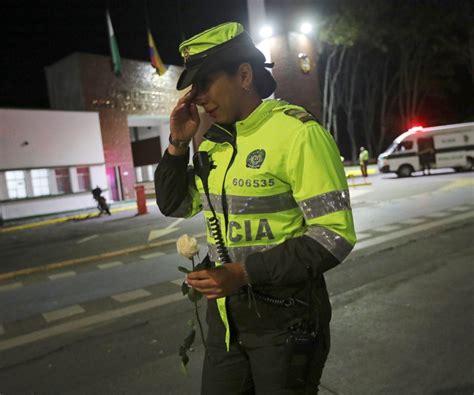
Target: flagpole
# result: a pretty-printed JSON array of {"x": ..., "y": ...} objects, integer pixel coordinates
[
  {"x": 180, "y": 21},
  {"x": 147, "y": 20}
]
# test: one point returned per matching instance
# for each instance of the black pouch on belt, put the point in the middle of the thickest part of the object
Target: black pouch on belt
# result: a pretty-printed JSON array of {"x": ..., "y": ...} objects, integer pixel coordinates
[{"x": 300, "y": 346}]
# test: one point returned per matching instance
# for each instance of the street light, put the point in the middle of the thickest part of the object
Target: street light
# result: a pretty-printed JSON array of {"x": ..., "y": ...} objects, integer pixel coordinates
[
  {"x": 266, "y": 31},
  {"x": 306, "y": 28}
]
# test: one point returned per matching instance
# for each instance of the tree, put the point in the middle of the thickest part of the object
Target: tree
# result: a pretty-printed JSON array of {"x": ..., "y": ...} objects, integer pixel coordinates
[{"x": 383, "y": 60}]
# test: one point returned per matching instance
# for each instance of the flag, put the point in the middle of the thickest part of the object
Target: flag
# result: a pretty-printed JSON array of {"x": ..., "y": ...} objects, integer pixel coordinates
[
  {"x": 116, "y": 62},
  {"x": 155, "y": 59}
]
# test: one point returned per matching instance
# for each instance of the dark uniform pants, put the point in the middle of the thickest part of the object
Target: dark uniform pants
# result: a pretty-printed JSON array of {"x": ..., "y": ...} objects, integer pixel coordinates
[{"x": 257, "y": 370}]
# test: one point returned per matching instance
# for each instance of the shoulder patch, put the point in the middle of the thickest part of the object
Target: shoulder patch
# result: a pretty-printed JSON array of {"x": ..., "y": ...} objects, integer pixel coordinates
[{"x": 301, "y": 115}]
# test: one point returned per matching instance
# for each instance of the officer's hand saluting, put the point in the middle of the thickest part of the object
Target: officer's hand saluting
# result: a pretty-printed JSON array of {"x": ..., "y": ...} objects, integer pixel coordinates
[{"x": 184, "y": 119}]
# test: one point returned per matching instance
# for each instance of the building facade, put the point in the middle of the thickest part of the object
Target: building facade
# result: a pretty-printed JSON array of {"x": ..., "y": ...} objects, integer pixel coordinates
[
  {"x": 49, "y": 161},
  {"x": 295, "y": 53},
  {"x": 133, "y": 110}
]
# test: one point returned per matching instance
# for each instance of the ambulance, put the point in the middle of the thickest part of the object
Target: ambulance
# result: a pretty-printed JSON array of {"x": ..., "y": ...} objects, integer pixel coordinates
[{"x": 448, "y": 146}]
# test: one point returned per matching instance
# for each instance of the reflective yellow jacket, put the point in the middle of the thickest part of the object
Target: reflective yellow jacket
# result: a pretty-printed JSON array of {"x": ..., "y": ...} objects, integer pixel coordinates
[{"x": 277, "y": 176}]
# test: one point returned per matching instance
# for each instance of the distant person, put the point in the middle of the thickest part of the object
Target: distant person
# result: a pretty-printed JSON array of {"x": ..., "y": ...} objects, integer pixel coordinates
[
  {"x": 96, "y": 192},
  {"x": 363, "y": 161},
  {"x": 102, "y": 205},
  {"x": 426, "y": 157}
]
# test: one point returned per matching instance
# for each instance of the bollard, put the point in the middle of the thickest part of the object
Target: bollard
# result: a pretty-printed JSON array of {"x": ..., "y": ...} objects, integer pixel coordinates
[{"x": 141, "y": 199}]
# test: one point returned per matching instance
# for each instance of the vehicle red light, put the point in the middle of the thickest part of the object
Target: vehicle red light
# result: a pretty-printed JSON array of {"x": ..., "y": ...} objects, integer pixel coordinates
[{"x": 416, "y": 129}]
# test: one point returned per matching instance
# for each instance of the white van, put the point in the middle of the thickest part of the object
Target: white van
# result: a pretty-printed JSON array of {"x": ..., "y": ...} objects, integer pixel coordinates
[{"x": 448, "y": 146}]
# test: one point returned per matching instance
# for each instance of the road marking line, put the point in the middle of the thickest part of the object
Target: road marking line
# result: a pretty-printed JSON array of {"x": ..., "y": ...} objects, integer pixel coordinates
[
  {"x": 69, "y": 311},
  {"x": 178, "y": 281},
  {"x": 2, "y": 330},
  {"x": 86, "y": 239},
  {"x": 157, "y": 233},
  {"x": 109, "y": 265},
  {"x": 75, "y": 261},
  {"x": 358, "y": 192},
  {"x": 458, "y": 184},
  {"x": 62, "y": 275},
  {"x": 361, "y": 236},
  {"x": 154, "y": 255},
  {"x": 460, "y": 208},
  {"x": 8, "y": 287},
  {"x": 172, "y": 225},
  {"x": 437, "y": 215},
  {"x": 387, "y": 228},
  {"x": 88, "y": 321},
  {"x": 411, "y": 230},
  {"x": 413, "y": 221},
  {"x": 132, "y": 295}
]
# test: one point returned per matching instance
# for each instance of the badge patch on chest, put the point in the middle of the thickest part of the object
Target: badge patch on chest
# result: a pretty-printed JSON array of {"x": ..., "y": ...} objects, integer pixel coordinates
[{"x": 255, "y": 159}]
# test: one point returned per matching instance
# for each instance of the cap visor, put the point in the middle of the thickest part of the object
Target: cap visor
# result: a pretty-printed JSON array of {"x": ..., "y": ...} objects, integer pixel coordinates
[{"x": 186, "y": 78}]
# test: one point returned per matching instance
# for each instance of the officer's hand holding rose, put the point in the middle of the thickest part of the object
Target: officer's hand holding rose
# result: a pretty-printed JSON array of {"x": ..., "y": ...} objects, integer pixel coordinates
[{"x": 218, "y": 282}]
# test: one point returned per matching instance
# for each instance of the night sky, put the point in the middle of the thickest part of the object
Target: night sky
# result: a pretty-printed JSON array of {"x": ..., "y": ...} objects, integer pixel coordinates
[
  {"x": 39, "y": 33},
  {"x": 35, "y": 34}
]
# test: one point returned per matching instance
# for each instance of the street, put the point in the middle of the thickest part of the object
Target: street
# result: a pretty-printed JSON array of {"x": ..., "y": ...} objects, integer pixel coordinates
[{"x": 95, "y": 307}]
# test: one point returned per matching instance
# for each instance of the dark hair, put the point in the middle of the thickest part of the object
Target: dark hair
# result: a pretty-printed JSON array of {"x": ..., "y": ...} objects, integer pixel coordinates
[{"x": 259, "y": 80}]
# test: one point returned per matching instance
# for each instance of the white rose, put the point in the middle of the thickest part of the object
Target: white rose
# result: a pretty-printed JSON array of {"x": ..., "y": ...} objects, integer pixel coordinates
[{"x": 187, "y": 246}]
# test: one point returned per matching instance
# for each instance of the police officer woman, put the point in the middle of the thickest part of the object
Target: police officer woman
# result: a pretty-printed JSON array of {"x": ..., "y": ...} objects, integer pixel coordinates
[{"x": 272, "y": 187}]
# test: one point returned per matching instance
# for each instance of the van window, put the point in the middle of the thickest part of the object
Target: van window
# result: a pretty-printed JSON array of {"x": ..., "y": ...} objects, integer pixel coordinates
[{"x": 405, "y": 146}]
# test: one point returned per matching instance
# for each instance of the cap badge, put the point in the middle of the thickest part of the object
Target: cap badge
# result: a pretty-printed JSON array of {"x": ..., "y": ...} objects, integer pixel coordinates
[
  {"x": 255, "y": 159},
  {"x": 185, "y": 54}
]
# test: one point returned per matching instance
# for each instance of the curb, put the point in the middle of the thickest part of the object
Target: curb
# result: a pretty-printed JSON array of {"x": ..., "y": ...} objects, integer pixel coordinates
[{"x": 64, "y": 219}]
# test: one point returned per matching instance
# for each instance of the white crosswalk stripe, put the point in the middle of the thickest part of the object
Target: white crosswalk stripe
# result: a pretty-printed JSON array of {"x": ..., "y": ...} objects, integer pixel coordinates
[
  {"x": 132, "y": 295},
  {"x": 437, "y": 215},
  {"x": 11, "y": 286},
  {"x": 413, "y": 221},
  {"x": 387, "y": 228},
  {"x": 109, "y": 265},
  {"x": 62, "y": 275},
  {"x": 460, "y": 208},
  {"x": 154, "y": 255},
  {"x": 362, "y": 236},
  {"x": 69, "y": 311}
]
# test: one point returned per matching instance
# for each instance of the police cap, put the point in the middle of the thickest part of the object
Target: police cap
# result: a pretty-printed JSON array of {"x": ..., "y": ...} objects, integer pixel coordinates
[{"x": 217, "y": 47}]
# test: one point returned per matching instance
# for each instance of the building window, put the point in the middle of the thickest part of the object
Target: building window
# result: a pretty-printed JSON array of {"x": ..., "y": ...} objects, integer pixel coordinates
[
  {"x": 16, "y": 185},
  {"x": 62, "y": 180},
  {"x": 83, "y": 178},
  {"x": 40, "y": 181}
]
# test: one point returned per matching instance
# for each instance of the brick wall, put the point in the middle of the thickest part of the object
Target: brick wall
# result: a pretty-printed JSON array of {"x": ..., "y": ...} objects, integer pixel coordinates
[
  {"x": 117, "y": 148},
  {"x": 292, "y": 84}
]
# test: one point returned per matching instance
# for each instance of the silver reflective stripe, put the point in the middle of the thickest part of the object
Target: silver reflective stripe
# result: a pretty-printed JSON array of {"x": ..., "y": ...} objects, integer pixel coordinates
[
  {"x": 324, "y": 204},
  {"x": 334, "y": 243},
  {"x": 252, "y": 204},
  {"x": 215, "y": 201},
  {"x": 184, "y": 208},
  {"x": 238, "y": 254}
]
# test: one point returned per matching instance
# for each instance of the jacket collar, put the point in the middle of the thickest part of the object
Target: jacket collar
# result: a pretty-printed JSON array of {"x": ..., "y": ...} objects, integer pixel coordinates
[
  {"x": 257, "y": 117},
  {"x": 227, "y": 133},
  {"x": 221, "y": 134}
]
